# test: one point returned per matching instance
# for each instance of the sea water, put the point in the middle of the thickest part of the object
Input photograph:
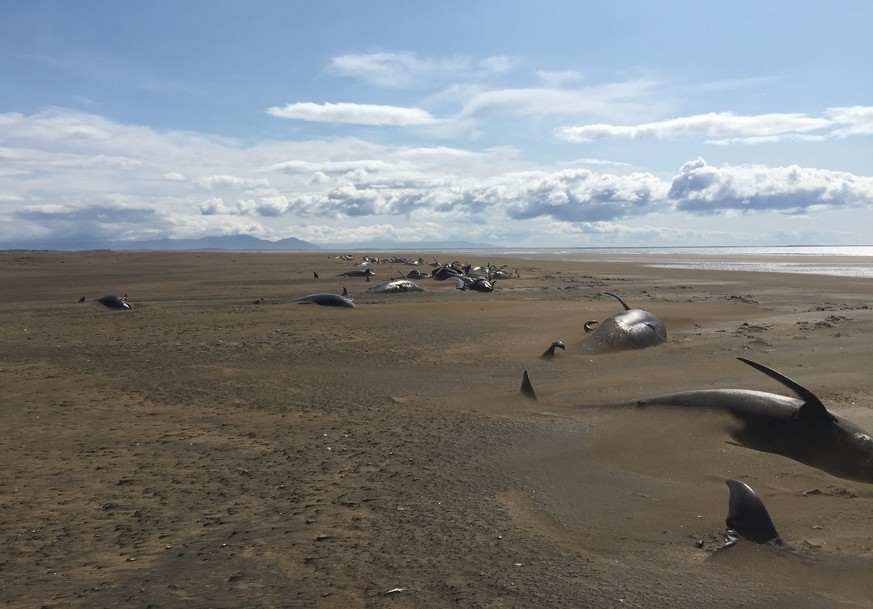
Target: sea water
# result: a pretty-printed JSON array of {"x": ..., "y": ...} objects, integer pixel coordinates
[{"x": 844, "y": 261}]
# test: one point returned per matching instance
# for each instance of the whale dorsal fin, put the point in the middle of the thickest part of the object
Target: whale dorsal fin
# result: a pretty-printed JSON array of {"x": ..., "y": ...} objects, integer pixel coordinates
[
  {"x": 618, "y": 298},
  {"x": 527, "y": 389},
  {"x": 812, "y": 408}
]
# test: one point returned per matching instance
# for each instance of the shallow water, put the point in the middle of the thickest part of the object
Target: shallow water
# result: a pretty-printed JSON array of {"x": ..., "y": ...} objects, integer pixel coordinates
[{"x": 842, "y": 261}]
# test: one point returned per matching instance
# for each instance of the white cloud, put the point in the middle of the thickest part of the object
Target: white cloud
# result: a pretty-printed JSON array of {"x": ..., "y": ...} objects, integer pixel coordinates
[
  {"x": 137, "y": 182},
  {"x": 213, "y": 182},
  {"x": 701, "y": 188},
  {"x": 395, "y": 69},
  {"x": 728, "y": 127},
  {"x": 360, "y": 114},
  {"x": 404, "y": 69},
  {"x": 611, "y": 100},
  {"x": 855, "y": 120}
]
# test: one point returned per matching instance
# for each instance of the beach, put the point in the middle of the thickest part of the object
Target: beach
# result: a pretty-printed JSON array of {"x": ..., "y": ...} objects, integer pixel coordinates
[{"x": 222, "y": 445}]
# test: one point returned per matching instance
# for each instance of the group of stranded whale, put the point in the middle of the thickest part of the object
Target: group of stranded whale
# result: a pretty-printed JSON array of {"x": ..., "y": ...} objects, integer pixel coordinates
[
  {"x": 465, "y": 277},
  {"x": 800, "y": 428}
]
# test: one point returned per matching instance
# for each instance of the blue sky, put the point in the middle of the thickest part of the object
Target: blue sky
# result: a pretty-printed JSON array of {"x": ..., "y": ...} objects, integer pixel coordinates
[{"x": 549, "y": 124}]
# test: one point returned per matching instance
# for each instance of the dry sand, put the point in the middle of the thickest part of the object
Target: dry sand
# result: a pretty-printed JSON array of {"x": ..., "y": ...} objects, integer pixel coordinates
[{"x": 201, "y": 450}]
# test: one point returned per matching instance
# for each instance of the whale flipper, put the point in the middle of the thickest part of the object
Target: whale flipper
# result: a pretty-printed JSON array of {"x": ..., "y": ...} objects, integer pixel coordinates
[
  {"x": 747, "y": 517},
  {"x": 527, "y": 389},
  {"x": 618, "y": 298},
  {"x": 812, "y": 409},
  {"x": 550, "y": 352}
]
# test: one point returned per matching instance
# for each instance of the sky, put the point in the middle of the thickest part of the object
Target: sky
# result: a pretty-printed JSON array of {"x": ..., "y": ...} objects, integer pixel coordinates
[{"x": 524, "y": 124}]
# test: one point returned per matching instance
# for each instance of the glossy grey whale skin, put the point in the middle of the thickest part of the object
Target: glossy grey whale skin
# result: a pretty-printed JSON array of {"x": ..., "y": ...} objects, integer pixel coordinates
[
  {"x": 112, "y": 301},
  {"x": 630, "y": 329},
  {"x": 801, "y": 429},
  {"x": 395, "y": 286},
  {"x": 747, "y": 516},
  {"x": 327, "y": 299}
]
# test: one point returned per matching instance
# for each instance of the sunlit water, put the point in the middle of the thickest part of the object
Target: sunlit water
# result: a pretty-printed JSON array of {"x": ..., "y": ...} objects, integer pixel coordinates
[{"x": 844, "y": 261}]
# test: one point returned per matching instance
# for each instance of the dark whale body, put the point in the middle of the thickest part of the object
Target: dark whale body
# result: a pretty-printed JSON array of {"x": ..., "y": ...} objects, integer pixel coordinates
[
  {"x": 630, "y": 329},
  {"x": 113, "y": 302},
  {"x": 747, "y": 517},
  {"x": 327, "y": 300},
  {"x": 800, "y": 429},
  {"x": 550, "y": 352}
]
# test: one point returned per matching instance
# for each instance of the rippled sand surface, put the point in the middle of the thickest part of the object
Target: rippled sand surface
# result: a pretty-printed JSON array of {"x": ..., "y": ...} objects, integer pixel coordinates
[{"x": 206, "y": 450}]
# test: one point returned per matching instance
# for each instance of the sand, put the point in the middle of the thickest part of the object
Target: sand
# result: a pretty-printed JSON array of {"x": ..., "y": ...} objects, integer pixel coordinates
[{"x": 202, "y": 450}]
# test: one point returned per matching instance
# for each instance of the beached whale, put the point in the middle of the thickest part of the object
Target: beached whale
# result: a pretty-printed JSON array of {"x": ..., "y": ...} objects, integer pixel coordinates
[
  {"x": 630, "y": 329},
  {"x": 359, "y": 273},
  {"x": 328, "y": 300},
  {"x": 112, "y": 301},
  {"x": 801, "y": 429},
  {"x": 550, "y": 352},
  {"x": 394, "y": 286},
  {"x": 747, "y": 517}
]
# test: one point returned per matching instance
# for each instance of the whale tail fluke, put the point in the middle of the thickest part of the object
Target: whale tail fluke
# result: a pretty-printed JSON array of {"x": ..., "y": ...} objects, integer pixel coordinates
[{"x": 527, "y": 389}]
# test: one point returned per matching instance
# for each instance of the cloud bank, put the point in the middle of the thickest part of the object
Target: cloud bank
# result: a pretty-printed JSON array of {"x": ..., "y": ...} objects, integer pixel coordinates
[{"x": 67, "y": 175}]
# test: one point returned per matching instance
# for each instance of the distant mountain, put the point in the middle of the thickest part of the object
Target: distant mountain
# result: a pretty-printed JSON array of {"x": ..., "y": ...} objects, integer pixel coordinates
[{"x": 226, "y": 242}]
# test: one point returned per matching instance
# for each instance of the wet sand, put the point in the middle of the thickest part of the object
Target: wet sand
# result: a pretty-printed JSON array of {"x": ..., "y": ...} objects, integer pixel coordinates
[{"x": 202, "y": 450}]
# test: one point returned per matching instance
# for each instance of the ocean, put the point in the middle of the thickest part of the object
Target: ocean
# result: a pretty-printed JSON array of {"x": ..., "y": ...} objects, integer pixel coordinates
[{"x": 843, "y": 261}]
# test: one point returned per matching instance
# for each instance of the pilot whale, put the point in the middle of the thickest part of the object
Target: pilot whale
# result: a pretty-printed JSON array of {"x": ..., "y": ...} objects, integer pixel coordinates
[
  {"x": 111, "y": 301},
  {"x": 394, "y": 286},
  {"x": 550, "y": 352},
  {"x": 630, "y": 329},
  {"x": 748, "y": 517},
  {"x": 801, "y": 429},
  {"x": 327, "y": 299}
]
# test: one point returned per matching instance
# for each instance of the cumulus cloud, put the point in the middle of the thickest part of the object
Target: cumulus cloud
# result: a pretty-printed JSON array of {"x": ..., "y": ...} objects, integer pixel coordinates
[
  {"x": 728, "y": 127},
  {"x": 360, "y": 114},
  {"x": 187, "y": 184},
  {"x": 701, "y": 188}
]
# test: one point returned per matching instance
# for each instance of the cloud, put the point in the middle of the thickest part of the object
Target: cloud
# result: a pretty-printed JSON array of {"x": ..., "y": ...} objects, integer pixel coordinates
[
  {"x": 703, "y": 189},
  {"x": 404, "y": 69},
  {"x": 610, "y": 100},
  {"x": 727, "y": 127},
  {"x": 583, "y": 196},
  {"x": 213, "y": 182},
  {"x": 855, "y": 120},
  {"x": 88, "y": 222},
  {"x": 136, "y": 182},
  {"x": 360, "y": 114}
]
